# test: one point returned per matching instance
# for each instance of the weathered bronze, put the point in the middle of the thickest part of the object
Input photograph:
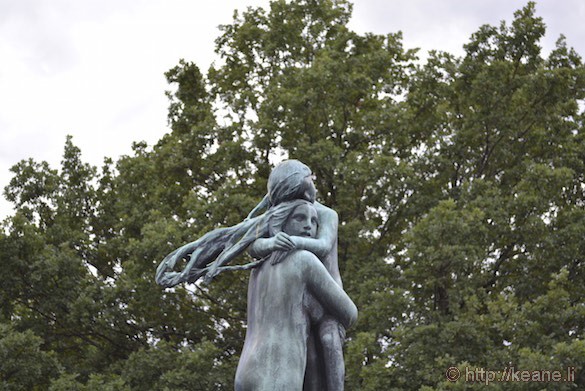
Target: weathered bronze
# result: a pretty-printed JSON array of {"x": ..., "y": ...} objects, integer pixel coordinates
[{"x": 297, "y": 309}]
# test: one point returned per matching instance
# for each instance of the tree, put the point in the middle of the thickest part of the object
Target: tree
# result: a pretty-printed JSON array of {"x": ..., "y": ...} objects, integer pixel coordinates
[
  {"x": 25, "y": 365},
  {"x": 502, "y": 130},
  {"x": 458, "y": 183}
]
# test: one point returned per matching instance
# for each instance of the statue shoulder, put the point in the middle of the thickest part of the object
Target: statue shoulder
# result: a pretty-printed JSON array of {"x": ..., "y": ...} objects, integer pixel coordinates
[
  {"x": 301, "y": 255},
  {"x": 323, "y": 210},
  {"x": 305, "y": 260},
  {"x": 328, "y": 218}
]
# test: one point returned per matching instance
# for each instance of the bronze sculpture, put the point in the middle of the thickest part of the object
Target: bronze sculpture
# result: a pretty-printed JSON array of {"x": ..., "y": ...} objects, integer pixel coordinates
[{"x": 302, "y": 275}]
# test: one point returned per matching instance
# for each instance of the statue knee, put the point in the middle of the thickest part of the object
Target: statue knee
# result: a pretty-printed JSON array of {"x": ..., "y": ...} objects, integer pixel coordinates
[
  {"x": 327, "y": 340},
  {"x": 329, "y": 335}
]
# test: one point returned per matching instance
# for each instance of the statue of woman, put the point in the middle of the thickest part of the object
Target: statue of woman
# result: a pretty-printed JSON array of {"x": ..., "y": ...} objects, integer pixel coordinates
[{"x": 281, "y": 307}]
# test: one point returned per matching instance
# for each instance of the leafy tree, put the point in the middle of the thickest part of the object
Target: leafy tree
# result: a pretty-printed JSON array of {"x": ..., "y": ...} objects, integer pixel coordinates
[
  {"x": 25, "y": 366},
  {"x": 502, "y": 137},
  {"x": 458, "y": 183}
]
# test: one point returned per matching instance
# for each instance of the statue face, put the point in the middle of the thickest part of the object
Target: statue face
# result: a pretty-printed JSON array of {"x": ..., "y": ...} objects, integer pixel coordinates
[{"x": 302, "y": 222}]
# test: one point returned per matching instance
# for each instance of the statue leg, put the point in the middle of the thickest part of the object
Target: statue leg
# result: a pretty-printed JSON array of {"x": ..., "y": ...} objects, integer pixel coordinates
[
  {"x": 332, "y": 350},
  {"x": 314, "y": 376}
]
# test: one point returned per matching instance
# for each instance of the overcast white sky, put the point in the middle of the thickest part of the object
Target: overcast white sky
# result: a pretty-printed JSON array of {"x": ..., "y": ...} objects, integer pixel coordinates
[{"x": 95, "y": 68}]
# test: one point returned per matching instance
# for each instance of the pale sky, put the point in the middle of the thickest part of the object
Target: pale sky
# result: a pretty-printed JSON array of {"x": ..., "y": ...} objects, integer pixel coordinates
[{"x": 95, "y": 68}]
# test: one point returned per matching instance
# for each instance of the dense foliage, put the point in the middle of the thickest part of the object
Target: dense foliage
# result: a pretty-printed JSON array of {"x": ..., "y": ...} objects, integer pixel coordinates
[{"x": 459, "y": 182}]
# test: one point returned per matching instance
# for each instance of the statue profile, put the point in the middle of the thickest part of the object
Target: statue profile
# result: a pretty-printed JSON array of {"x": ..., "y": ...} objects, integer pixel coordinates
[{"x": 297, "y": 309}]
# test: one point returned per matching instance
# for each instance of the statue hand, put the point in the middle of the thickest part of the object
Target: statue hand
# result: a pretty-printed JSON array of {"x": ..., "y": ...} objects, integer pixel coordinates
[{"x": 282, "y": 242}]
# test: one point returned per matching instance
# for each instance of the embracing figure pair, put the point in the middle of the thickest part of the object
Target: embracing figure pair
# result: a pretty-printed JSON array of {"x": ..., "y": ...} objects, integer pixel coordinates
[{"x": 297, "y": 310}]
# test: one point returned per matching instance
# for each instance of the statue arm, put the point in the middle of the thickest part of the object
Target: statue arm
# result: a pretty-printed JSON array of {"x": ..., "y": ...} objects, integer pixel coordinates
[
  {"x": 260, "y": 248},
  {"x": 331, "y": 296},
  {"x": 320, "y": 246},
  {"x": 263, "y": 247}
]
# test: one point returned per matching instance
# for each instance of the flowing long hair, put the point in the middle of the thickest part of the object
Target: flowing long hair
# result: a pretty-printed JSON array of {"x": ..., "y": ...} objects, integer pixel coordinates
[{"x": 288, "y": 184}]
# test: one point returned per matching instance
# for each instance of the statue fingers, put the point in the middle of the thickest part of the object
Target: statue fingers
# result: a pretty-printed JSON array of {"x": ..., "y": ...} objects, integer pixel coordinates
[
  {"x": 284, "y": 244},
  {"x": 286, "y": 240}
]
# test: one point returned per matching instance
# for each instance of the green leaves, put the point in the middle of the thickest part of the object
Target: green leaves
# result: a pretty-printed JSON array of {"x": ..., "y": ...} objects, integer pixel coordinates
[
  {"x": 25, "y": 366},
  {"x": 458, "y": 183}
]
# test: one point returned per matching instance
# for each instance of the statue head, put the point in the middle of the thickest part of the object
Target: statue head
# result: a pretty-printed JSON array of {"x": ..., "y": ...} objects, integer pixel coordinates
[
  {"x": 302, "y": 221},
  {"x": 296, "y": 218},
  {"x": 291, "y": 180}
]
